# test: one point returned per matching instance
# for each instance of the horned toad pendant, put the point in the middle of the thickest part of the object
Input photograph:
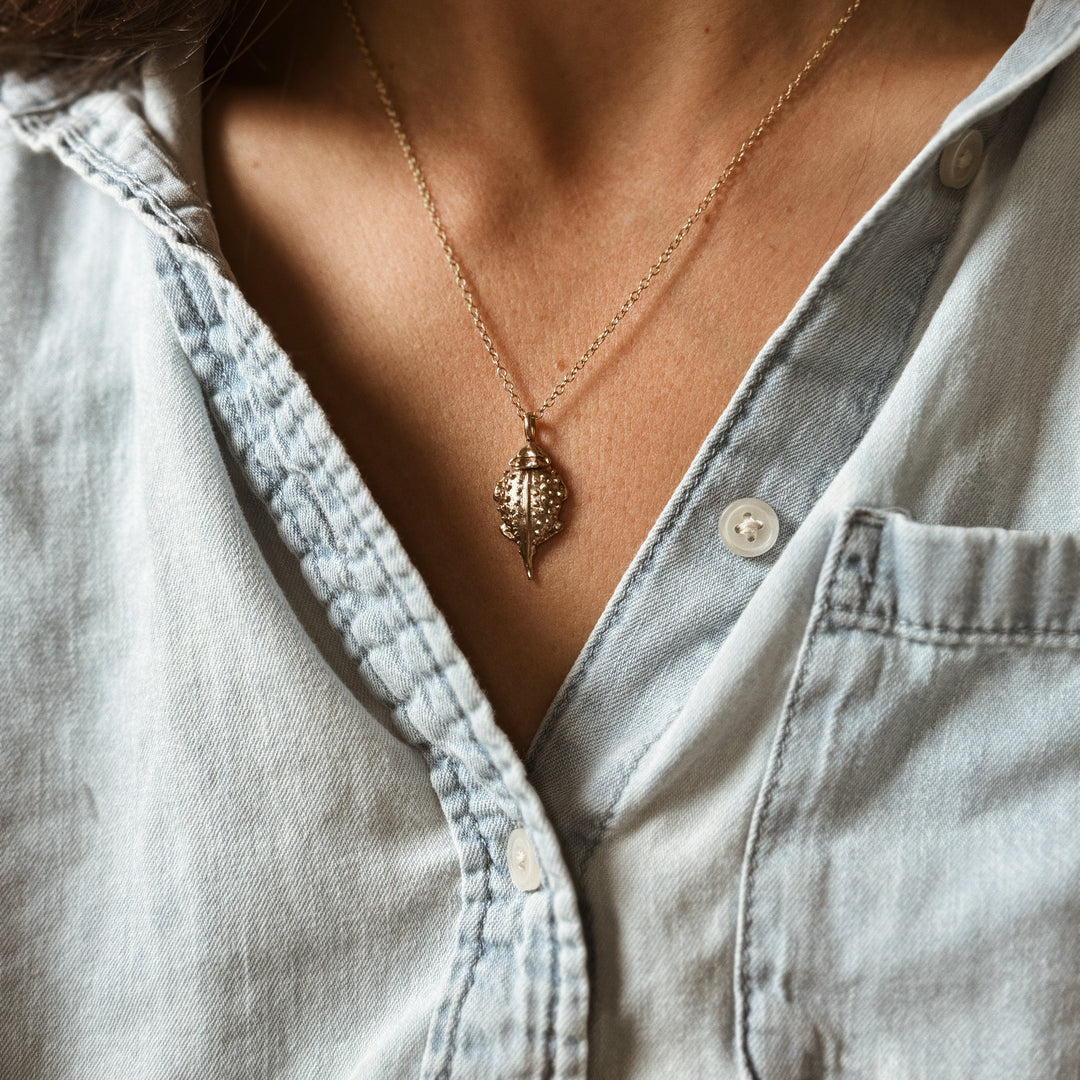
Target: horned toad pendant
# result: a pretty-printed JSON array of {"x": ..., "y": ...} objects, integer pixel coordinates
[{"x": 529, "y": 496}]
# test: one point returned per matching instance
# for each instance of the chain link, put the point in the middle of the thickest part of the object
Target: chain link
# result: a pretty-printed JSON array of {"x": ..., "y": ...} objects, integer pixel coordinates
[{"x": 643, "y": 284}]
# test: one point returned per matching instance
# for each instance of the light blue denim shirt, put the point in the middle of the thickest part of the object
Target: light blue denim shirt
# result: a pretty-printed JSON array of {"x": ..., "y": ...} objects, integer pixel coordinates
[{"x": 814, "y": 814}]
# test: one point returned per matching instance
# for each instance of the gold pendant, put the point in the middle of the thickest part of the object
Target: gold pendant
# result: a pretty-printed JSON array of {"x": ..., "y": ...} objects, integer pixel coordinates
[{"x": 529, "y": 496}]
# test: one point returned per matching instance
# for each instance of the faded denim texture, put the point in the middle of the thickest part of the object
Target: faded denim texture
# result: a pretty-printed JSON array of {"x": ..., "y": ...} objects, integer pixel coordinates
[{"x": 808, "y": 816}]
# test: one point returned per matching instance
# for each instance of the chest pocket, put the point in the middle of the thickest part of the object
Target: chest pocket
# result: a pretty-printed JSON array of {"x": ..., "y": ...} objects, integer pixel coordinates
[{"x": 911, "y": 902}]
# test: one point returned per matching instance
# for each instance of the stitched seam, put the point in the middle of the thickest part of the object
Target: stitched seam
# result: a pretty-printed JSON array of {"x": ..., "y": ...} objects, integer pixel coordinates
[
  {"x": 476, "y": 943},
  {"x": 873, "y": 621},
  {"x": 550, "y": 1048},
  {"x": 770, "y": 785},
  {"x": 130, "y": 186},
  {"x": 592, "y": 842}
]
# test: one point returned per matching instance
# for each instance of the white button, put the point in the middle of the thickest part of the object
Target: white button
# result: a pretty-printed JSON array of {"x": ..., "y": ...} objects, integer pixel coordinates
[
  {"x": 749, "y": 527},
  {"x": 960, "y": 160},
  {"x": 524, "y": 869}
]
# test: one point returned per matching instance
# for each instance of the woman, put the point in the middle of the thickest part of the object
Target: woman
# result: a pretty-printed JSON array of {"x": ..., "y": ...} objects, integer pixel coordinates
[{"x": 732, "y": 729}]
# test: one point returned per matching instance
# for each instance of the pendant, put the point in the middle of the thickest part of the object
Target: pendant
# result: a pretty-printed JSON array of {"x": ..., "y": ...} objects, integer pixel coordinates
[{"x": 529, "y": 496}]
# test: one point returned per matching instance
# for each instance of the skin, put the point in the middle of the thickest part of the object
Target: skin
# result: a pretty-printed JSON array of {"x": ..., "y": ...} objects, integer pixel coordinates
[{"x": 564, "y": 144}]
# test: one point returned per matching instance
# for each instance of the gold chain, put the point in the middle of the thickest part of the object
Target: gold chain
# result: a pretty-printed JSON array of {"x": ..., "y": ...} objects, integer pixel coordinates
[{"x": 643, "y": 284}]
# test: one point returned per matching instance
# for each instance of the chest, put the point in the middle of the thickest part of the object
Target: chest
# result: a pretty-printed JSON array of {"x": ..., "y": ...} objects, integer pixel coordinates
[{"x": 354, "y": 286}]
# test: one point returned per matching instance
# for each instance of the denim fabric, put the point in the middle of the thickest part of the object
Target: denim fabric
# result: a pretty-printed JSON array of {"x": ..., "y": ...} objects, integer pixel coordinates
[{"x": 810, "y": 815}]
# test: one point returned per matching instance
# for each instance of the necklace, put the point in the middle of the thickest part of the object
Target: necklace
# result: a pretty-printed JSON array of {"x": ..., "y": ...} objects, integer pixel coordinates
[{"x": 530, "y": 493}]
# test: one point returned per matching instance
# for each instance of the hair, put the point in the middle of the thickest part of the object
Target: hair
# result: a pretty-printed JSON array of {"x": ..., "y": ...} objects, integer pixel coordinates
[{"x": 104, "y": 34}]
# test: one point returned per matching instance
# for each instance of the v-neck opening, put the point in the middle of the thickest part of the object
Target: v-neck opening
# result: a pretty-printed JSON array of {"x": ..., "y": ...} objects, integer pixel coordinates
[{"x": 676, "y": 503}]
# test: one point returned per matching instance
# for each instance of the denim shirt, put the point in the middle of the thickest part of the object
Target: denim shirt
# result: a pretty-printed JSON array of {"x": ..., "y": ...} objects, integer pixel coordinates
[{"x": 813, "y": 814}]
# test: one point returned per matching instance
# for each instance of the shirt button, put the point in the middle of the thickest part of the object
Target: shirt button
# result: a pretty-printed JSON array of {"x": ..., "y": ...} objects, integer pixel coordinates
[
  {"x": 524, "y": 869},
  {"x": 960, "y": 160},
  {"x": 749, "y": 527}
]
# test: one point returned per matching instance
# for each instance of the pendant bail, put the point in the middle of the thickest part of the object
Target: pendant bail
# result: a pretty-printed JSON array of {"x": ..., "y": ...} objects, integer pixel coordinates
[{"x": 530, "y": 427}]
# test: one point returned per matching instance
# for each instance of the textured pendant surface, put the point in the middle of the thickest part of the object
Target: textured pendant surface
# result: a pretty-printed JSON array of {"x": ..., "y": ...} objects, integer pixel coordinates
[{"x": 529, "y": 496}]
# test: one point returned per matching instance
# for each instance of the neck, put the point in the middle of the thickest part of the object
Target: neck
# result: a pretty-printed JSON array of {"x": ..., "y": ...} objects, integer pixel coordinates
[
  {"x": 569, "y": 69},
  {"x": 558, "y": 65},
  {"x": 569, "y": 85},
  {"x": 567, "y": 75}
]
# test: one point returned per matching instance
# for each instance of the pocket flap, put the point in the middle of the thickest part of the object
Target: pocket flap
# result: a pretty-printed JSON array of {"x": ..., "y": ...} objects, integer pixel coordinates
[{"x": 932, "y": 582}]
